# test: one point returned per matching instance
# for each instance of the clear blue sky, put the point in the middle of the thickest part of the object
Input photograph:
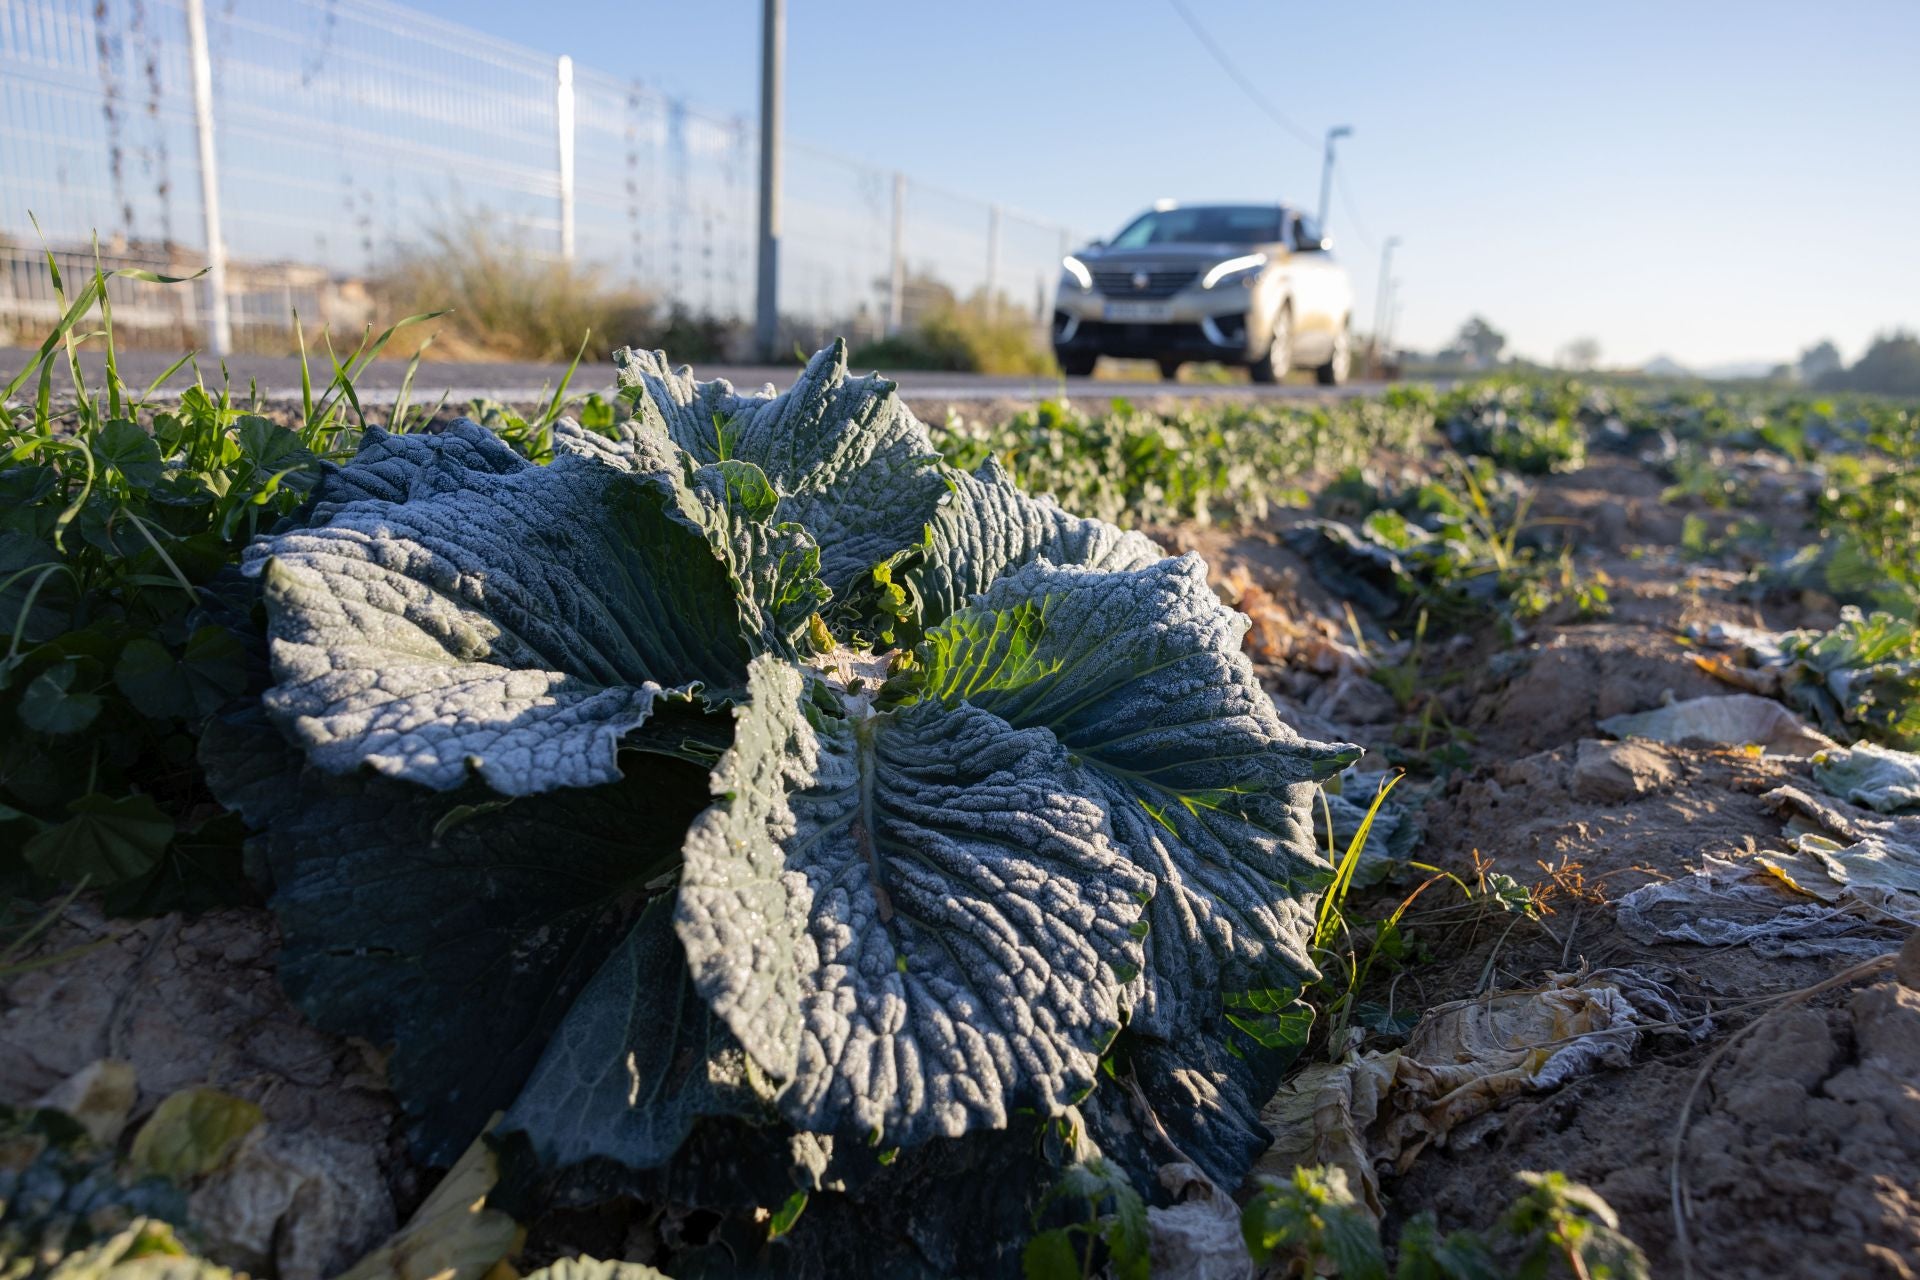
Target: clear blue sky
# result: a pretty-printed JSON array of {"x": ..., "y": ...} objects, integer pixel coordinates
[{"x": 1717, "y": 181}]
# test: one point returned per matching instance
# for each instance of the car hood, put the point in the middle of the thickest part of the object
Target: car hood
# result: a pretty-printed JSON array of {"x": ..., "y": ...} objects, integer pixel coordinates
[{"x": 1194, "y": 254}]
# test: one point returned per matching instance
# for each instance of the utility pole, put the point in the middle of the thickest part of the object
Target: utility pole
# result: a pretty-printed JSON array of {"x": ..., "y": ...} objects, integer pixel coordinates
[
  {"x": 1380, "y": 301},
  {"x": 773, "y": 40},
  {"x": 219, "y": 328},
  {"x": 1326, "y": 172}
]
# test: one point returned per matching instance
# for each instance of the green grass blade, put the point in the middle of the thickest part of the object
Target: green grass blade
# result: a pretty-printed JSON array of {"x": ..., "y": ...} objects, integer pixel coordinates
[
  {"x": 1336, "y": 897},
  {"x": 343, "y": 382},
  {"x": 33, "y": 594},
  {"x": 106, "y": 322},
  {"x": 306, "y": 374},
  {"x": 167, "y": 373},
  {"x": 54, "y": 912},
  {"x": 397, "y": 420},
  {"x": 560, "y": 392},
  {"x": 161, "y": 551},
  {"x": 153, "y": 277}
]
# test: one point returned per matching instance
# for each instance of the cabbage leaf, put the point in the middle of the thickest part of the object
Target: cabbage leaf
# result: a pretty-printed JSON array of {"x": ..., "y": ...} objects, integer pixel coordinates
[
  {"x": 447, "y": 611},
  {"x": 852, "y": 464},
  {"x": 986, "y": 527},
  {"x": 1139, "y": 675},
  {"x": 569, "y": 793},
  {"x": 456, "y": 927},
  {"x": 916, "y": 921}
]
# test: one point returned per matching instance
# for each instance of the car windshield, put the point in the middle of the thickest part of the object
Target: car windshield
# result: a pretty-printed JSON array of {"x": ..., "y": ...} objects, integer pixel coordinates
[{"x": 1201, "y": 224}]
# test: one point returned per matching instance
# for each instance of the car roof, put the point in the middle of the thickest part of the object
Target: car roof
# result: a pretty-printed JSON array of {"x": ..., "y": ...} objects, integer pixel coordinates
[{"x": 1162, "y": 206}]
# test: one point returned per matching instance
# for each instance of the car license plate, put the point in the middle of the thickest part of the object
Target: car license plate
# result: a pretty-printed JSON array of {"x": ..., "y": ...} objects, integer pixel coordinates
[{"x": 1138, "y": 311}]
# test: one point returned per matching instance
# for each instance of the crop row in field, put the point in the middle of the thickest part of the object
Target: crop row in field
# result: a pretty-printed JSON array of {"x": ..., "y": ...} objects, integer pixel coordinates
[{"x": 928, "y": 849}]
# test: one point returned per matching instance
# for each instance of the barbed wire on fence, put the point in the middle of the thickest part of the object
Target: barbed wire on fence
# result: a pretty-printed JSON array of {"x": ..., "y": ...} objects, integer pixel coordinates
[{"x": 348, "y": 131}]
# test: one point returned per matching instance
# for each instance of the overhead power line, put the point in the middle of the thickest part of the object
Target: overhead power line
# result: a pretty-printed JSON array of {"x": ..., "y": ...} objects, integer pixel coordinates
[
  {"x": 1305, "y": 136},
  {"x": 1291, "y": 127},
  {"x": 1352, "y": 207}
]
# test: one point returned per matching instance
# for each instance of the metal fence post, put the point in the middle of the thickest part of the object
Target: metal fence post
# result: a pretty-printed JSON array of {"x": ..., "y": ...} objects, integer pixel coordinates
[
  {"x": 219, "y": 325},
  {"x": 897, "y": 275},
  {"x": 993, "y": 258},
  {"x": 563, "y": 123}
]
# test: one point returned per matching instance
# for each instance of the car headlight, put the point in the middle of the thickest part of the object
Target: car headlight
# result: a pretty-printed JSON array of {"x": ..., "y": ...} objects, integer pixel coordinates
[
  {"x": 1234, "y": 271},
  {"x": 1075, "y": 270}
]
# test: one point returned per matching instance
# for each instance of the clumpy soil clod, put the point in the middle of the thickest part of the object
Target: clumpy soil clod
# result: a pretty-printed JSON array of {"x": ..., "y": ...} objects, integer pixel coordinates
[
  {"x": 195, "y": 1002},
  {"x": 1802, "y": 1155}
]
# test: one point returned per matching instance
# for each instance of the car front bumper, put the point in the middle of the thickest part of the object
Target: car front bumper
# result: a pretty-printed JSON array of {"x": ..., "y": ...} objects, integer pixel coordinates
[{"x": 1209, "y": 326}]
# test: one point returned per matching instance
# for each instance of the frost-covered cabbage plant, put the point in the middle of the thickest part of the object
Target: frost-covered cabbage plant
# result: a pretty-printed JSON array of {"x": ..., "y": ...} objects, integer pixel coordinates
[{"x": 750, "y": 806}]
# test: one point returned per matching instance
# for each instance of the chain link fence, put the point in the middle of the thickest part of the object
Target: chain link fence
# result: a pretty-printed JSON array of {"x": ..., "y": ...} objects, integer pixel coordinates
[{"x": 346, "y": 132}]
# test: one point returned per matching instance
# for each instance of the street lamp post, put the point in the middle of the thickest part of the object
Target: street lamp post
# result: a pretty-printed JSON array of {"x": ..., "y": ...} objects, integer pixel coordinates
[
  {"x": 1380, "y": 301},
  {"x": 1393, "y": 315},
  {"x": 1326, "y": 171}
]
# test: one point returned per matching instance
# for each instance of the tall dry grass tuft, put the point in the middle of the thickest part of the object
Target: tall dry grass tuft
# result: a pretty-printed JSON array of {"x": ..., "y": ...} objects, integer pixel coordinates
[
  {"x": 963, "y": 336},
  {"x": 506, "y": 303}
]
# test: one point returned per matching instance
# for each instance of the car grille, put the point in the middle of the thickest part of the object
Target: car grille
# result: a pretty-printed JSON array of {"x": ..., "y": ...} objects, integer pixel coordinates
[{"x": 1118, "y": 282}]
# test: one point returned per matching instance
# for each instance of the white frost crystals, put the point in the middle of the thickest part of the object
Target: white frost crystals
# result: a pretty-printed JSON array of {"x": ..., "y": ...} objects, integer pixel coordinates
[
  {"x": 918, "y": 920},
  {"x": 517, "y": 620},
  {"x": 922, "y": 898}
]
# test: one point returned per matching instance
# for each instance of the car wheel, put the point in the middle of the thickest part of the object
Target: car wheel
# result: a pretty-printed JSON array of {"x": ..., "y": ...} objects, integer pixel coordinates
[
  {"x": 1170, "y": 370},
  {"x": 1340, "y": 363},
  {"x": 1273, "y": 366},
  {"x": 1075, "y": 364}
]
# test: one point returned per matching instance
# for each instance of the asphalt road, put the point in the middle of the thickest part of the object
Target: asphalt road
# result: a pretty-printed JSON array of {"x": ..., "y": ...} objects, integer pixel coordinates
[{"x": 279, "y": 379}]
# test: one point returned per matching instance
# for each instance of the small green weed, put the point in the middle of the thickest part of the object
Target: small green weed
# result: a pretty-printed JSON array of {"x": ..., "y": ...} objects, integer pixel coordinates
[
  {"x": 1313, "y": 1223},
  {"x": 1114, "y": 1229},
  {"x": 119, "y": 515}
]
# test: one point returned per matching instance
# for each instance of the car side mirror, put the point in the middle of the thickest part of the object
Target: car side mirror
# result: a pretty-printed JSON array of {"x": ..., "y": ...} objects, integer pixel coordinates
[{"x": 1096, "y": 244}]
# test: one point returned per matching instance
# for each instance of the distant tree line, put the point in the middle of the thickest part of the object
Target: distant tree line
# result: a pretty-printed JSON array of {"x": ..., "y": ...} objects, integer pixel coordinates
[
  {"x": 1478, "y": 345},
  {"x": 1890, "y": 367}
]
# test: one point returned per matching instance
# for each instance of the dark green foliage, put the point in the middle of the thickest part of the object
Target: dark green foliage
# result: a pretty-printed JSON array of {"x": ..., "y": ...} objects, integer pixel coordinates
[
  {"x": 1114, "y": 1229},
  {"x": 1890, "y": 367},
  {"x": 61, "y": 1193},
  {"x": 1553, "y": 1228},
  {"x": 455, "y": 926},
  {"x": 1869, "y": 512},
  {"x": 1453, "y": 549},
  {"x": 117, "y": 517},
  {"x": 1529, "y": 427},
  {"x": 1313, "y": 1218},
  {"x": 1859, "y": 680},
  {"x": 1226, "y": 461}
]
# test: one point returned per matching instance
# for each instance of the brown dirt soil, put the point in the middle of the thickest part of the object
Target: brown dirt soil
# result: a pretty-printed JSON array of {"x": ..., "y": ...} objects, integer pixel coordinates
[
  {"x": 1799, "y": 1133},
  {"x": 195, "y": 1002},
  {"x": 1802, "y": 1156}
]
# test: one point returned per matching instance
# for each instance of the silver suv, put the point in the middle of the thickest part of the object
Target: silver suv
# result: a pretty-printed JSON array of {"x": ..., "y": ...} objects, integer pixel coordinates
[{"x": 1245, "y": 284}]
